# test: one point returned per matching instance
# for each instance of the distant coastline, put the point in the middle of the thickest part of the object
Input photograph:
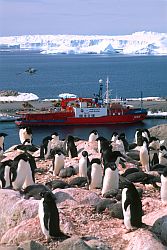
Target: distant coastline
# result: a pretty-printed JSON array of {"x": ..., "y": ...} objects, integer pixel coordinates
[{"x": 9, "y": 105}]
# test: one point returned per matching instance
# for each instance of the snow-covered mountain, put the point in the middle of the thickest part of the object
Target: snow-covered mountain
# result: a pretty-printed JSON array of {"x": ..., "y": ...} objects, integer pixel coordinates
[{"x": 136, "y": 43}]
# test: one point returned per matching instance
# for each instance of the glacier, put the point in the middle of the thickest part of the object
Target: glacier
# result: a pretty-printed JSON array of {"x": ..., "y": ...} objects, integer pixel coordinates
[{"x": 138, "y": 43}]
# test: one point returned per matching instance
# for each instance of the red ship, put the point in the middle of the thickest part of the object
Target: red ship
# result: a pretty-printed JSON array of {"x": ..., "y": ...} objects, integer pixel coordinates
[{"x": 83, "y": 111}]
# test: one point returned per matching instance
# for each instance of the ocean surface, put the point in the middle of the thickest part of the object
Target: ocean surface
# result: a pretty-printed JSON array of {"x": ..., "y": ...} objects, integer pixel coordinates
[{"x": 80, "y": 74}]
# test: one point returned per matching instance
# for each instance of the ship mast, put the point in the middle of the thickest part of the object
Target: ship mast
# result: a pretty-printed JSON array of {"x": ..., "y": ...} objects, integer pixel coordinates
[{"x": 107, "y": 90}]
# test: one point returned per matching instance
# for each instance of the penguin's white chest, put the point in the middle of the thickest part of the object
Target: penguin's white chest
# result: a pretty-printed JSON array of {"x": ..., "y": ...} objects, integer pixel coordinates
[
  {"x": 163, "y": 191},
  {"x": 111, "y": 180},
  {"x": 96, "y": 176},
  {"x": 92, "y": 137},
  {"x": 144, "y": 158},
  {"x": 126, "y": 213},
  {"x": 24, "y": 175},
  {"x": 58, "y": 164},
  {"x": 83, "y": 167},
  {"x": 7, "y": 176}
]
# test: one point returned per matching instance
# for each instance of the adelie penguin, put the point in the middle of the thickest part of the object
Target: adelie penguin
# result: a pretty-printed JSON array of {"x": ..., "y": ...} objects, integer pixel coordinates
[
  {"x": 164, "y": 186},
  {"x": 45, "y": 147},
  {"x": 131, "y": 206},
  {"x": 84, "y": 164},
  {"x": 23, "y": 167},
  {"x": 58, "y": 162},
  {"x": 111, "y": 178},
  {"x": 71, "y": 148},
  {"x": 93, "y": 135},
  {"x": 49, "y": 216},
  {"x": 2, "y": 138},
  {"x": 95, "y": 174},
  {"x": 25, "y": 133},
  {"x": 144, "y": 156},
  {"x": 5, "y": 174}
]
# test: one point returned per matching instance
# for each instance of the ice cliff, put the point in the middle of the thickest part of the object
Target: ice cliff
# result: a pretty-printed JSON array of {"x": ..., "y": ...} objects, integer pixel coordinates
[{"x": 150, "y": 43}]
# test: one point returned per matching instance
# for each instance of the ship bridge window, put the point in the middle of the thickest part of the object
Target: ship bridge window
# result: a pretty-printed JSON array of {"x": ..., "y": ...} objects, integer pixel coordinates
[
  {"x": 80, "y": 115},
  {"x": 84, "y": 115},
  {"x": 93, "y": 115}
]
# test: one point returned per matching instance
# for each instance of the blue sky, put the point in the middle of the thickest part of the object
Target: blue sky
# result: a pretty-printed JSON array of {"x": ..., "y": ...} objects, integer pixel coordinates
[{"x": 83, "y": 17}]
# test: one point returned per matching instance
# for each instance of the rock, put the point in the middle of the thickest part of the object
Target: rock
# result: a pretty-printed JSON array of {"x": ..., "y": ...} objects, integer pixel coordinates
[
  {"x": 160, "y": 229},
  {"x": 6, "y": 247},
  {"x": 31, "y": 245},
  {"x": 150, "y": 218},
  {"x": 97, "y": 245},
  {"x": 14, "y": 210},
  {"x": 103, "y": 204},
  {"x": 26, "y": 230},
  {"x": 143, "y": 239},
  {"x": 75, "y": 197},
  {"x": 74, "y": 243},
  {"x": 116, "y": 211},
  {"x": 159, "y": 131}
]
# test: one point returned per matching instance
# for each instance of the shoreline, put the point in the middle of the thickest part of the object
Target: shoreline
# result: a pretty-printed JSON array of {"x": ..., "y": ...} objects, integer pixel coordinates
[{"x": 9, "y": 109}]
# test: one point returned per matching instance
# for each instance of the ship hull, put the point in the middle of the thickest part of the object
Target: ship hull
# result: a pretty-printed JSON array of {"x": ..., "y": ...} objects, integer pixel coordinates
[{"x": 53, "y": 119}]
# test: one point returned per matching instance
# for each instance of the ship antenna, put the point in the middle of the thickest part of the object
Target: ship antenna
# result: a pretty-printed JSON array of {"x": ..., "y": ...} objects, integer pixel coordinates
[
  {"x": 141, "y": 103},
  {"x": 101, "y": 90},
  {"x": 107, "y": 90}
]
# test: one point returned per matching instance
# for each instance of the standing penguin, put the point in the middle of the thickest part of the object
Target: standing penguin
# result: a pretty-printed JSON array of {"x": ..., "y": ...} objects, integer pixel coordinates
[
  {"x": 144, "y": 156},
  {"x": 25, "y": 133},
  {"x": 100, "y": 141},
  {"x": 138, "y": 137},
  {"x": 45, "y": 148},
  {"x": 5, "y": 174},
  {"x": 2, "y": 138},
  {"x": 71, "y": 148},
  {"x": 23, "y": 168},
  {"x": 84, "y": 164},
  {"x": 49, "y": 216},
  {"x": 93, "y": 135},
  {"x": 58, "y": 162},
  {"x": 162, "y": 156},
  {"x": 111, "y": 178},
  {"x": 131, "y": 206},
  {"x": 95, "y": 175},
  {"x": 55, "y": 139},
  {"x": 164, "y": 186}
]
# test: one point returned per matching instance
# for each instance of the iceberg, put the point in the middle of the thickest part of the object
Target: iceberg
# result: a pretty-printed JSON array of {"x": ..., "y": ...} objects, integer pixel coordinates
[
  {"x": 21, "y": 97},
  {"x": 138, "y": 43}
]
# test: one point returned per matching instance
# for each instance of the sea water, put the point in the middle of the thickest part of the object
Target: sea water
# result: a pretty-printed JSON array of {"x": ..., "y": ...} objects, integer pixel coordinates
[{"x": 80, "y": 75}]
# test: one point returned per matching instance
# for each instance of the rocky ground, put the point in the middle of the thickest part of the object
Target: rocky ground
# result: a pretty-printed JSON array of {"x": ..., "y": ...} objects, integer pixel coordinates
[{"x": 88, "y": 229}]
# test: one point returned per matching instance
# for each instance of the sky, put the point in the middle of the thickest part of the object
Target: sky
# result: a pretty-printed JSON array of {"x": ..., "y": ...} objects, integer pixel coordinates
[{"x": 81, "y": 17}]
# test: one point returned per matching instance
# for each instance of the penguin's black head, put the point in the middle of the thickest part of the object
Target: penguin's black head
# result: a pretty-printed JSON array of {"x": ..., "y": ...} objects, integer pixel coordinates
[
  {"x": 58, "y": 152},
  {"x": 95, "y": 160},
  {"x": 70, "y": 138},
  {"x": 162, "y": 147},
  {"x": 122, "y": 136},
  {"x": 26, "y": 141},
  {"x": 84, "y": 153},
  {"x": 101, "y": 138},
  {"x": 3, "y": 134},
  {"x": 94, "y": 131},
  {"x": 111, "y": 165},
  {"x": 29, "y": 130},
  {"x": 46, "y": 139},
  {"x": 55, "y": 133},
  {"x": 125, "y": 183},
  {"x": 48, "y": 196},
  {"x": 165, "y": 172}
]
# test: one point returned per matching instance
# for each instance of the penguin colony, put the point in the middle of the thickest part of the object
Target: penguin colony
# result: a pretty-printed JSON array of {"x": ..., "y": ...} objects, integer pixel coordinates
[{"x": 102, "y": 172}]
